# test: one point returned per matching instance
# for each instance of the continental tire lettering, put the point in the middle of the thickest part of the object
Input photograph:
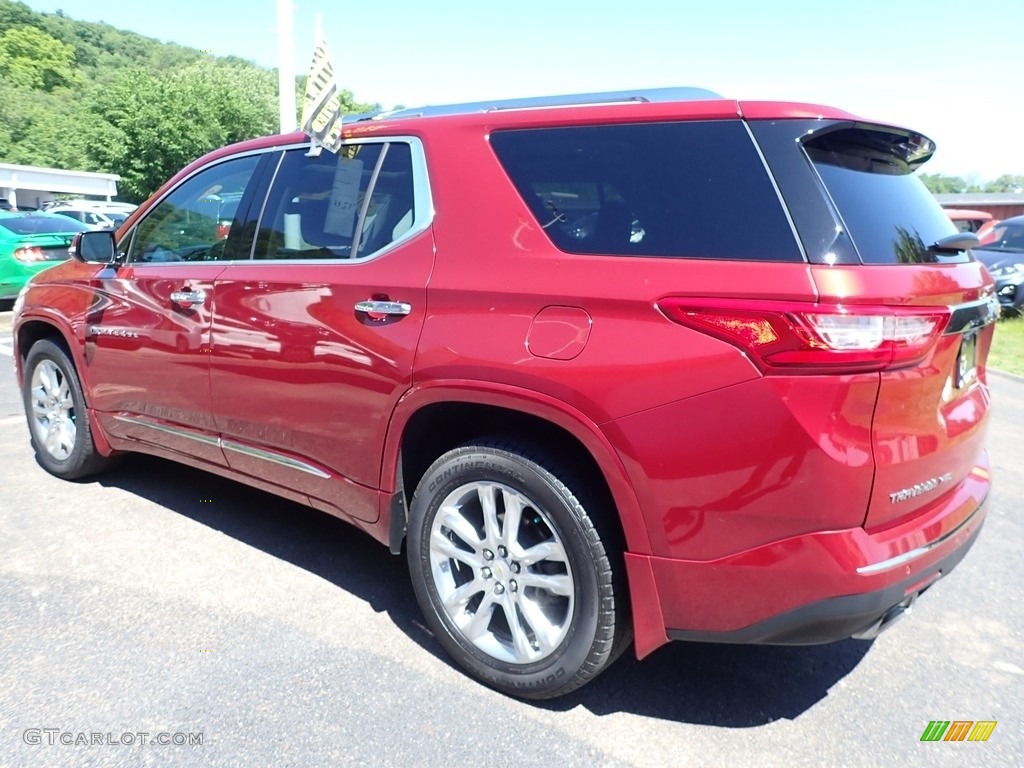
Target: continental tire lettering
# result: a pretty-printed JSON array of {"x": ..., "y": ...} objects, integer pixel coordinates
[
  {"x": 559, "y": 673},
  {"x": 479, "y": 464}
]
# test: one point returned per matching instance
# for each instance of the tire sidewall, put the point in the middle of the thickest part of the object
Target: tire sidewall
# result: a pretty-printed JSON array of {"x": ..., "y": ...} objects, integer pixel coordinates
[
  {"x": 47, "y": 350},
  {"x": 467, "y": 465}
]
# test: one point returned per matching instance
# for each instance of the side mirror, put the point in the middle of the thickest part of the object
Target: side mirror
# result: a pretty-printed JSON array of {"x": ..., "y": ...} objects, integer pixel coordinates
[{"x": 96, "y": 247}]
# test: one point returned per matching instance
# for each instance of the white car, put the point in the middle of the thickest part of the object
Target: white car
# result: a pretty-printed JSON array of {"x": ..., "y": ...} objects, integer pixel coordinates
[{"x": 93, "y": 219}]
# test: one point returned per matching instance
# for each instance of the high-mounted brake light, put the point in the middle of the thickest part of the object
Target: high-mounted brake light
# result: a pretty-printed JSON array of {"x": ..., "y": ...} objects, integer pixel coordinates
[{"x": 793, "y": 337}]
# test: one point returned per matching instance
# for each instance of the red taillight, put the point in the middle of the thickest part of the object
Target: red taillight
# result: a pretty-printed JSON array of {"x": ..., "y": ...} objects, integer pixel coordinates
[
  {"x": 790, "y": 337},
  {"x": 29, "y": 254}
]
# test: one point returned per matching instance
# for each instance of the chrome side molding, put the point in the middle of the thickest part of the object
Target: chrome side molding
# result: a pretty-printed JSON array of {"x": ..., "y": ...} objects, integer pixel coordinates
[{"x": 228, "y": 445}]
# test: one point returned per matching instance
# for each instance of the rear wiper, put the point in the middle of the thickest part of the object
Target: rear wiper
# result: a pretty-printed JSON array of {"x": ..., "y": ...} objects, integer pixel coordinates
[{"x": 961, "y": 241}]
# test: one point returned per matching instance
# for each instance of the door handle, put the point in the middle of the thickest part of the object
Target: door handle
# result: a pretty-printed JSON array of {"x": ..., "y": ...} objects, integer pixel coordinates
[
  {"x": 383, "y": 307},
  {"x": 188, "y": 299}
]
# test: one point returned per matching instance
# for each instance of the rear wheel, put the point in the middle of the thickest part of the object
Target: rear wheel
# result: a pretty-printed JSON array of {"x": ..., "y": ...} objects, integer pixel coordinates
[
  {"x": 57, "y": 419},
  {"x": 511, "y": 572}
]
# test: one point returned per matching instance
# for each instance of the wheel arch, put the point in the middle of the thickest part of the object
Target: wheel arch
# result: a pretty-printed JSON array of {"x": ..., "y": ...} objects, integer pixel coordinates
[
  {"x": 35, "y": 328},
  {"x": 32, "y": 329},
  {"x": 431, "y": 419}
]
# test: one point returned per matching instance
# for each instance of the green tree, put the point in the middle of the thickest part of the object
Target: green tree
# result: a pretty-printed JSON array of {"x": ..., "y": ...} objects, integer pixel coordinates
[
  {"x": 16, "y": 15},
  {"x": 33, "y": 59},
  {"x": 87, "y": 96},
  {"x": 38, "y": 128},
  {"x": 1006, "y": 183},
  {"x": 938, "y": 183},
  {"x": 148, "y": 125}
]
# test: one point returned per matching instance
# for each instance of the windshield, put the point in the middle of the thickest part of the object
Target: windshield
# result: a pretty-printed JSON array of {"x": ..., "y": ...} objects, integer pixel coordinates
[
  {"x": 1006, "y": 237},
  {"x": 44, "y": 224}
]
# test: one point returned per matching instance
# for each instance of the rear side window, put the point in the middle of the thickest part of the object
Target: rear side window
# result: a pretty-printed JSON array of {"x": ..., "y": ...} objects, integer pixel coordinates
[
  {"x": 688, "y": 190},
  {"x": 889, "y": 214}
]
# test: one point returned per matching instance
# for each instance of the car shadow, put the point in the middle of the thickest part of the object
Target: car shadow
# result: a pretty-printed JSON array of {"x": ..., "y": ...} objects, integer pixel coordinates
[{"x": 729, "y": 686}]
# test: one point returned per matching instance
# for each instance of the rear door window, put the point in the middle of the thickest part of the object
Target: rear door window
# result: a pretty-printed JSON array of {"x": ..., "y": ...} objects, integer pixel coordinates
[
  {"x": 346, "y": 206},
  {"x": 687, "y": 190}
]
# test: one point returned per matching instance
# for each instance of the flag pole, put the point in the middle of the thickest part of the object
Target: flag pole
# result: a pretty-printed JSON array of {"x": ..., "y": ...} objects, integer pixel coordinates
[{"x": 285, "y": 66}]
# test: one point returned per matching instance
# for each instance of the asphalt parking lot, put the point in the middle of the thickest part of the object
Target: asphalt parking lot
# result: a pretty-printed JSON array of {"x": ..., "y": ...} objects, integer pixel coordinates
[{"x": 162, "y": 601}]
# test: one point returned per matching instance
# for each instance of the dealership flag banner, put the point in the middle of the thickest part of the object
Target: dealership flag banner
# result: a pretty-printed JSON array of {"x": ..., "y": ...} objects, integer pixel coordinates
[{"x": 321, "y": 112}]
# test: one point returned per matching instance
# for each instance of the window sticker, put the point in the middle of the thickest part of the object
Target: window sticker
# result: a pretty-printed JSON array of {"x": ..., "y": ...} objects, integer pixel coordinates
[{"x": 344, "y": 200}]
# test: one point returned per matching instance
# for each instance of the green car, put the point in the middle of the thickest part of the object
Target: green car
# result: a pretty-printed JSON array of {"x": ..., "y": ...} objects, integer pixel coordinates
[{"x": 31, "y": 241}]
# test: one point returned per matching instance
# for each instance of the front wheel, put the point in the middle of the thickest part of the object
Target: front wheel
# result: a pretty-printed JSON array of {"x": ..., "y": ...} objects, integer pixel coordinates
[
  {"x": 511, "y": 571},
  {"x": 57, "y": 419}
]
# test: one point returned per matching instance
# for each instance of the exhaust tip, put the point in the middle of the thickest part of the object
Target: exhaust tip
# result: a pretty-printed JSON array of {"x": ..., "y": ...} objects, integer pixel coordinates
[{"x": 888, "y": 618}]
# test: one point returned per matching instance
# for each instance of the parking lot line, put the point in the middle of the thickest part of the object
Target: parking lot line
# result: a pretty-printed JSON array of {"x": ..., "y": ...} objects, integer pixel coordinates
[{"x": 6, "y": 346}]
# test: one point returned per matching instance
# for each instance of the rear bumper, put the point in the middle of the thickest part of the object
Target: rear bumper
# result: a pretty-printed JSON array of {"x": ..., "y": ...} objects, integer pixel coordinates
[
  {"x": 837, "y": 618},
  {"x": 809, "y": 589}
]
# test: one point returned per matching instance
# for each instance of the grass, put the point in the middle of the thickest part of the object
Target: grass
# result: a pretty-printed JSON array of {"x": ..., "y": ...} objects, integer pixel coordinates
[{"x": 1007, "y": 352}]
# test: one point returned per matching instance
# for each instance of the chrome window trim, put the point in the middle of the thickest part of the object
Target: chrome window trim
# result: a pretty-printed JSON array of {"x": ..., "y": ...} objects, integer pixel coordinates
[{"x": 422, "y": 203}]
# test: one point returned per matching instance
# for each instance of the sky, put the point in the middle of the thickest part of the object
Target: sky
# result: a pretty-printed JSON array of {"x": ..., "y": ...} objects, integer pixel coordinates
[{"x": 953, "y": 71}]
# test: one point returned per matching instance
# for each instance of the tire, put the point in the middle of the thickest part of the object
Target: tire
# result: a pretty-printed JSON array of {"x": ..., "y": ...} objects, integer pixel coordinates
[
  {"x": 58, "y": 422},
  {"x": 537, "y": 609}
]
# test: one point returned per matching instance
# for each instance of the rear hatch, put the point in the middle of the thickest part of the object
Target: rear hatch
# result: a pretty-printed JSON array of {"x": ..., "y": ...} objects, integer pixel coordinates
[{"x": 887, "y": 258}]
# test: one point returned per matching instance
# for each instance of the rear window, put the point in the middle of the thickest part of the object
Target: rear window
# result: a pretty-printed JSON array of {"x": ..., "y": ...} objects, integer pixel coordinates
[
  {"x": 694, "y": 190},
  {"x": 889, "y": 214},
  {"x": 41, "y": 225}
]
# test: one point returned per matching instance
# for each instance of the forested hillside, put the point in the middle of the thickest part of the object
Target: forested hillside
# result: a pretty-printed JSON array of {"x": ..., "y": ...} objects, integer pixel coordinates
[{"x": 86, "y": 96}]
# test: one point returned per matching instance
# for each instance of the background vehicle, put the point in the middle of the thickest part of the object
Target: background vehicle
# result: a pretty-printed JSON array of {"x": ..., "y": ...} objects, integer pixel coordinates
[
  {"x": 1002, "y": 251},
  {"x": 93, "y": 219},
  {"x": 967, "y": 220},
  {"x": 985, "y": 231},
  {"x": 527, "y": 345},
  {"x": 30, "y": 242},
  {"x": 113, "y": 210}
]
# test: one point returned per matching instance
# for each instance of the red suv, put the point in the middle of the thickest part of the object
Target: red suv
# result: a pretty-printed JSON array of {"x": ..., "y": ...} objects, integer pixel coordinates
[{"x": 659, "y": 365}]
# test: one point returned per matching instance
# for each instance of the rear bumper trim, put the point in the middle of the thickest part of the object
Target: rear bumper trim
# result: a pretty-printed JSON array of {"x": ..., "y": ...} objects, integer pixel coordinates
[
  {"x": 862, "y": 616},
  {"x": 906, "y": 557}
]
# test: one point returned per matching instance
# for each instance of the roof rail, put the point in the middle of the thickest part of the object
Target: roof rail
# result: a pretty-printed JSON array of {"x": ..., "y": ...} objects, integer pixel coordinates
[{"x": 539, "y": 102}]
